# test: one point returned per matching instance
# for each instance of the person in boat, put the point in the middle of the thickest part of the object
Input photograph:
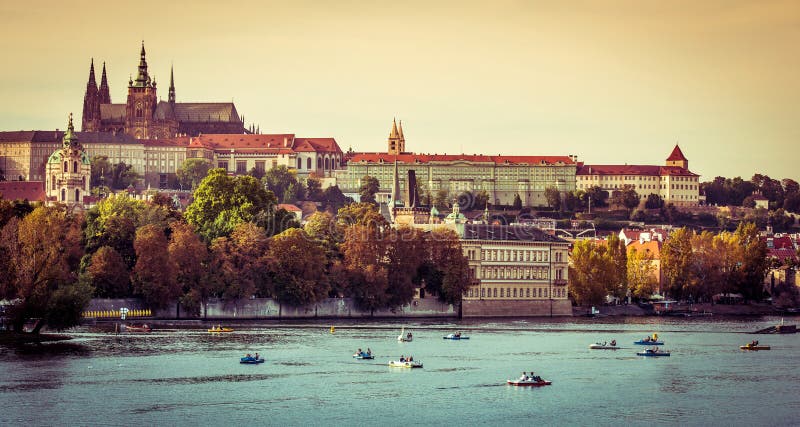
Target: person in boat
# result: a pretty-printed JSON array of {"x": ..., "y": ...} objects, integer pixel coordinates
[
  {"x": 408, "y": 336},
  {"x": 523, "y": 377},
  {"x": 613, "y": 343},
  {"x": 402, "y": 358},
  {"x": 369, "y": 352},
  {"x": 604, "y": 343},
  {"x": 458, "y": 335},
  {"x": 255, "y": 357},
  {"x": 359, "y": 352}
]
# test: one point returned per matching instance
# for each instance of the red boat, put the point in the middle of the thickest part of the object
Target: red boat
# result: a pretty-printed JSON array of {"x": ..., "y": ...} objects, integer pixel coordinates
[
  {"x": 144, "y": 327},
  {"x": 529, "y": 383}
]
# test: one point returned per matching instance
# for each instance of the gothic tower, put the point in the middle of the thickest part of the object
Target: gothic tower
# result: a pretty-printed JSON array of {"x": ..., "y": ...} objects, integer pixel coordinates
[
  {"x": 397, "y": 143},
  {"x": 90, "y": 121},
  {"x": 68, "y": 171},
  {"x": 171, "y": 87},
  {"x": 142, "y": 101},
  {"x": 105, "y": 96}
]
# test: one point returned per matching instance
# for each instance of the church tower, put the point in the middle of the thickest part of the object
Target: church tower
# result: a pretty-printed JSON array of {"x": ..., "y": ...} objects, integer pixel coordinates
[
  {"x": 105, "y": 95},
  {"x": 90, "y": 121},
  {"x": 68, "y": 171},
  {"x": 142, "y": 101},
  {"x": 397, "y": 142}
]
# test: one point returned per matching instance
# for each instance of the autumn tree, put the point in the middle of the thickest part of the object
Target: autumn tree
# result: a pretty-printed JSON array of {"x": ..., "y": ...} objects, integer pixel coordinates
[
  {"x": 677, "y": 261},
  {"x": 589, "y": 274},
  {"x": 41, "y": 253},
  {"x": 405, "y": 253},
  {"x": 240, "y": 263},
  {"x": 364, "y": 254},
  {"x": 189, "y": 260},
  {"x": 298, "y": 268},
  {"x": 641, "y": 273},
  {"x": 153, "y": 278},
  {"x": 753, "y": 261},
  {"x": 618, "y": 285},
  {"x": 361, "y": 213},
  {"x": 108, "y": 274}
]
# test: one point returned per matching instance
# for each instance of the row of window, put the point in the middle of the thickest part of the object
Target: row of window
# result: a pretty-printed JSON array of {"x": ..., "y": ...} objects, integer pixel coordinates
[
  {"x": 515, "y": 292},
  {"x": 516, "y": 255}
]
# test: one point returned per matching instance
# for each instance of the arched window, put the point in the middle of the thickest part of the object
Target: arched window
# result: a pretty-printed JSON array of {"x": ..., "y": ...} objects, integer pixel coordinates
[
  {"x": 319, "y": 163},
  {"x": 308, "y": 163},
  {"x": 63, "y": 195},
  {"x": 299, "y": 163},
  {"x": 53, "y": 182},
  {"x": 77, "y": 195},
  {"x": 66, "y": 167},
  {"x": 327, "y": 164},
  {"x": 74, "y": 167}
]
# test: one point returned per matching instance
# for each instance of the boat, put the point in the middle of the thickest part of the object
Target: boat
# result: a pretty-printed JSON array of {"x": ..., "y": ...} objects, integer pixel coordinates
[
  {"x": 219, "y": 329},
  {"x": 405, "y": 364},
  {"x": 604, "y": 346},
  {"x": 653, "y": 340},
  {"x": 755, "y": 347},
  {"x": 144, "y": 327},
  {"x": 653, "y": 352},
  {"x": 528, "y": 383},
  {"x": 249, "y": 360},
  {"x": 403, "y": 337},
  {"x": 363, "y": 356},
  {"x": 457, "y": 336}
]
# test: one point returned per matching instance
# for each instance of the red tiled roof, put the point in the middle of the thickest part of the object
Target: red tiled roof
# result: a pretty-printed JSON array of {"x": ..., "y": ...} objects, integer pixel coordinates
[
  {"x": 782, "y": 254},
  {"x": 181, "y": 141},
  {"x": 410, "y": 158},
  {"x": 676, "y": 154},
  {"x": 289, "y": 207},
  {"x": 316, "y": 145},
  {"x": 647, "y": 170},
  {"x": 244, "y": 141},
  {"x": 23, "y": 190},
  {"x": 784, "y": 242}
]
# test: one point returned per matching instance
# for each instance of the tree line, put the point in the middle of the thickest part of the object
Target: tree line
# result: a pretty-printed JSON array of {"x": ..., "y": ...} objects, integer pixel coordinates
[
  {"x": 695, "y": 266},
  {"x": 230, "y": 243}
]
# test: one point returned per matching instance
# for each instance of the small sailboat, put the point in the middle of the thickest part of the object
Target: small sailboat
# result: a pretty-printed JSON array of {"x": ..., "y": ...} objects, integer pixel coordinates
[{"x": 404, "y": 337}]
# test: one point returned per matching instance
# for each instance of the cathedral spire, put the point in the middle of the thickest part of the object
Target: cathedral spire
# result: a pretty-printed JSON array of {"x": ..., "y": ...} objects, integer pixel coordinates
[
  {"x": 105, "y": 96},
  {"x": 171, "y": 85},
  {"x": 395, "y": 185},
  {"x": 142, "y": 78},
  {"x": 393, "y": 134},
  {"x": 91, "y": 103},
  {"x": 69, "y": 136},
  {"x": 91, "y": 82},
  {"x": 401, "y": 130}
]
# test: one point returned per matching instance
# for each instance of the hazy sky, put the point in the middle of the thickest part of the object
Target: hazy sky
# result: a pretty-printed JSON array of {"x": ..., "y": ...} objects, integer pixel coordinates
[{"x": 612, "y": 81}]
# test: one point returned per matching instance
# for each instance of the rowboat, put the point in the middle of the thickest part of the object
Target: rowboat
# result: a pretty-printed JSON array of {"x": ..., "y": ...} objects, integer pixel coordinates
[
  {"x": 653, "y": 353},
  {"x": 645, "y": 342},
  {"x": 403, "y": 337},
  {"x": 599, "y": 346},
  {"x": 363, "y": 356},
  {"x": 755, "y": 347},
  {"x": 219, "y": 329},
  {"x": 455, "y": 337},
  {"x": 138, "y": 328},
  {"x": 405, "y": 364},
  {"x": 251, "y": 360},
  {"x": 528, "y": 383}
]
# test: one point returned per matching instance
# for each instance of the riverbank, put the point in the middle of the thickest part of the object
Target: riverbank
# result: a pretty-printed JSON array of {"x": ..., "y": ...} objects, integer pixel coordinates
[{"x": 689, "y": 310}]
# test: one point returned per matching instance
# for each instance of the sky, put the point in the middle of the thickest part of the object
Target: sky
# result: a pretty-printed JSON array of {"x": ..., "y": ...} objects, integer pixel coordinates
[{"x": 613, "y": 82}]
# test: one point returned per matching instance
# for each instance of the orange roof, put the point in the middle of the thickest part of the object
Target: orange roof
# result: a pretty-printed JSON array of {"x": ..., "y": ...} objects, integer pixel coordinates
[
  {"x": 654, "y": 246},
  {"x": 283, "y": 143},
  {"x": 181, "y": 141},
  {"x": 31, "y": 191},
  {"x": 676, "y": 154},
  {"x": 316, "y": 145},
  {"x": 646, "y": 170},
  {"x": 411, "y": 158},
  {"x": 289, "y": 207}
]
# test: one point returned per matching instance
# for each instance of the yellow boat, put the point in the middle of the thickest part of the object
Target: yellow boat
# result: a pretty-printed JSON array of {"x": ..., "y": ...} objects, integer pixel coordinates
[{"x": 220, "y": 329}]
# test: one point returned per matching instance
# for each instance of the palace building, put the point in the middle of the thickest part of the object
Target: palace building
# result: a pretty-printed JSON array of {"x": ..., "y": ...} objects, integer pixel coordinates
[
  {"x": 501, "y": 177},
  {"x": 145, "y": 116},
  {"x": 673, "y": 182}
]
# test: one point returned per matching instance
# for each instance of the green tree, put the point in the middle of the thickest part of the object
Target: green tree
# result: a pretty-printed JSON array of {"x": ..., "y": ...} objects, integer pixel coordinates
[
  {"x": 753, "y": 261},
  {"x": 328, "y": 234},
  {"x": 590, "y": 273},
  {"x": 369, "y": 187},
  {"x": 677, "y": 260},
  {"x": 298, "y": 268},
  {"x": 442, "y": 199},
  {"x": 41, "y": 253},
  {"x": 481, "y": 200},
  {"x": 451, "y": 267},
  {"x": 626, "y": 197},
  {"x": 192, "y": 172},
  {"x": 654, "y": 201},
  {"x": 283, "y": 183},
  {"x": 102, "y": 172},
  {"x": 596, "y": 196},
  {"x": 405, "y": 253},
  {"x": 361, "y": 213},
  {"x": 641, "y": 273},
  {"x": 123, "y": 176},
  {"x": 364, "y": 261},
  {"x": 553, "y": 197},
  {"x": 334, "y": 199},
  {"x": 618, "y": 284},
  {"x": 314, "y": 187}
]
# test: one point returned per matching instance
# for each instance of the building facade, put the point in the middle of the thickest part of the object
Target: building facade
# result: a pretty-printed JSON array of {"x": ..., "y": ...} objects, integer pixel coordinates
[
  {"x": 501, "y": 177},
  {"x": 674, "y": 183},
  {"x": 516, "y": 270},
  {"x": 145, "y": 116},
  {"x": 68, "y": 172}
]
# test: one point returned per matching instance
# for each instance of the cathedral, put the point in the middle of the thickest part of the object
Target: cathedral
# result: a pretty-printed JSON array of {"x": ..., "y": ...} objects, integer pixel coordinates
[{"x": 145, "y": 116}]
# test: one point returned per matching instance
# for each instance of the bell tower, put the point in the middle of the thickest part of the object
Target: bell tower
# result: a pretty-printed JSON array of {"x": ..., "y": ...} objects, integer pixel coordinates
[
  {"x": 397, "y": 142},
  {"x": 141, "y": 103}
]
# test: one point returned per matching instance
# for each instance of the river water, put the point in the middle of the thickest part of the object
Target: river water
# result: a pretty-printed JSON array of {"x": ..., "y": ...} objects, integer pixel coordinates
[{"x": 190, "y": 377}]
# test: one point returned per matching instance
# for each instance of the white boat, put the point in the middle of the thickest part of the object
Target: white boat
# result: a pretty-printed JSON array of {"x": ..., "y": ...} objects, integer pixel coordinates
[
  {"x": 405, "y": 364},
  {"x": 403, "y": 337},
  {"x": 604, "y": 346}
]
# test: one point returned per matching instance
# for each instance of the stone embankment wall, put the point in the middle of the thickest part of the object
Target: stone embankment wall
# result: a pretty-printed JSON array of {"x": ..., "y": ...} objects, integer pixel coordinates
[
  {"x": 266, "y": 308},
  {"x": 499, "y": 308}
]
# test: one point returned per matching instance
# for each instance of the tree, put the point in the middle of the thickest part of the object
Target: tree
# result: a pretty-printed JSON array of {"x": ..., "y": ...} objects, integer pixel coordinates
[
  {"x": 283, "y": 183},
  {"x": 334, "y": 199},
  {"x": 192, "y": 172},
  {"x": 102, "y": 171},
  {"x": 153, "y": 279},
  {"x": 364, "y": 253},
  {"x": 625, "y": 197},
  {"x": 597, "y": 196},
  {"x": 677, "y": 260},
  {"x": 641, "y": 274},
  {"x": 298, "y": 268},
  {"x": 553, "y": 197},
  {"x": 314, "y": 187},
  {"x": 654, "y": 201},
  {"x": 450, "y": 266},
  {"x": 481, "y": 200},
  {"x": 363, "y": 214},
  {"x": 405, "y": 253},
  {"x": 189, "y": 261},
  {"x": 41, "y": 253},
  {"x": 108, "y": 274},
  {"x": 369, "y": 187},
  {"x": 753, "y": 261},
  {"x": 618, "y": 284},
  {"x": 240, "y": 264},
  {"x": 123, "y": 176},
  {"x": 222, "y": 202},
  {"x": 326, "y": 232},
  {"x": 572, "y": 200},
  {"x": 589, "y": 274},
  {"x": 517, "y": 205},
  {"x": 442, "y": 199}
]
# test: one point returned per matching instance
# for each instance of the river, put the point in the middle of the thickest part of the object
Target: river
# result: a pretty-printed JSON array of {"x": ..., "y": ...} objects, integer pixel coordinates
[{"x": 190, "y": 377}]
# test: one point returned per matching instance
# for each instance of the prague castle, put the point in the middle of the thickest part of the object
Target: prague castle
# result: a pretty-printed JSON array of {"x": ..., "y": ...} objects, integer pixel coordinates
[{"x": 144, "y": 116}]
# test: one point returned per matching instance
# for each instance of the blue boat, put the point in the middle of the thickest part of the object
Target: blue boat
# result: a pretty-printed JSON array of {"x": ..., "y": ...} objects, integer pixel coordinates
[
  {"x": 653, "y": 352},
  {"x": 250, "y": 361},
  {"x": 455, "y": 337},
  {"x": 363, "y": 356},
  {"x": 643, "y": 342}
]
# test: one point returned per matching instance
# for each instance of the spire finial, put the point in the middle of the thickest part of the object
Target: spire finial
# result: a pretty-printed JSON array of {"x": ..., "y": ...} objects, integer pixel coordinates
[
  {"x": 91, "y": 73},
  {"x": 394, "y": 133}
]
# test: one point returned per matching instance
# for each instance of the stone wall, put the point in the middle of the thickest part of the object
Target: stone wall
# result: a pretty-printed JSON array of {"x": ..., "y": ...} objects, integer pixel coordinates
[{"x": 522, "y": 308}]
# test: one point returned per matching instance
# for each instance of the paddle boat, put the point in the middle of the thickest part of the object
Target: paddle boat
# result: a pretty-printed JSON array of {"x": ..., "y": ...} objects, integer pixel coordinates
[
  {"x": 250, "y": 360},
  {"x": 144, "y": 327},
  {"x": 653, "y": 352},
  {"x": 363, "y": 355},
  {"x": 529, "y": 382},
  {"x": 604, "y": 346},
  {"x": 456, "y": 336},
  {"x": 404, "y": 337},
  {"x": 404, "y": 363},
  {"x": 755, "y": 346},
  {"x": 219, "y": 329},
  {"x": 649, "y": 341}
]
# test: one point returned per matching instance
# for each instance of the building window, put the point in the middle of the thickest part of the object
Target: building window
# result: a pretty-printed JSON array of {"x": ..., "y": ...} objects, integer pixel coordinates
[
  {"x": 162, "y": 180},
  {"x": 77, "y": 195},
  {"x": 260, "y": 166},
  {"x": 222, "y": 165},
  {"x": 63, "y": 195},
  {"x": 66, "y": 167},
  {"x": 308, "y": 163},
  {"x": 241, "y": 166},
  {"x": 299, "y": 164}
]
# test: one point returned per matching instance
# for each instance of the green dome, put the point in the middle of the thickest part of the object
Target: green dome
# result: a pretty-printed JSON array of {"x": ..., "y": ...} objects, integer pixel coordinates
[{"x": 55, "y": 157}]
